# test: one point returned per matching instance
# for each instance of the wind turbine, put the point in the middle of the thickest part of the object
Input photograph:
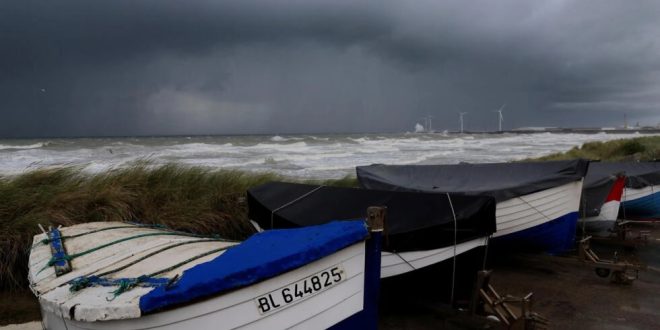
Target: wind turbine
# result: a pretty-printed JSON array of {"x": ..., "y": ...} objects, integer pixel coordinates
[
  {"x": 428, "y": 123},
  {"x": 500, "y": 117},
  {"x": 461, "y": 114}
]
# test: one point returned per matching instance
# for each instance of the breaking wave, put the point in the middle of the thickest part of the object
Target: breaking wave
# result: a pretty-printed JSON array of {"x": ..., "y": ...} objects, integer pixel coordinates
[{"x": 27, "y": 146}]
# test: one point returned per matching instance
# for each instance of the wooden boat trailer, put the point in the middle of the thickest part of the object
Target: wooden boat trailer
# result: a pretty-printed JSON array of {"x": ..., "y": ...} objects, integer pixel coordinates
[
  {"x": 620, "y": 272},
  {"x": 511, "y": 312}
]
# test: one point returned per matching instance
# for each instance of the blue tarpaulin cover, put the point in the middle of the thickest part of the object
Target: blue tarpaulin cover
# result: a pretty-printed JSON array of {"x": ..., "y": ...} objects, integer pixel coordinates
[{"x": 262, "y": 256}]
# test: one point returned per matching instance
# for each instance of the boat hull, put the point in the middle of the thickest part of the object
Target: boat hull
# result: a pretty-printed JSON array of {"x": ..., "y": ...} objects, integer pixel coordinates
[
  {"x": 601, "y": 224},
  {"x": 641, "y": 203},
  {"x": 239, "y": 309},
  {"x": 544, "y": 220},
  {"x": 393, "y": 264},
  {"x": 438, "y": 282}
]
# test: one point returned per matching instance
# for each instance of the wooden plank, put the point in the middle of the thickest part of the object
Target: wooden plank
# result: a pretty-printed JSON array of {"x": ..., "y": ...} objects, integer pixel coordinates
[{"x": 57, "y": 249}]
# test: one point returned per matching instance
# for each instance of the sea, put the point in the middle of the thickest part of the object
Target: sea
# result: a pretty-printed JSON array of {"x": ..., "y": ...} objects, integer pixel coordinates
[{"x": 317, "y": 156}]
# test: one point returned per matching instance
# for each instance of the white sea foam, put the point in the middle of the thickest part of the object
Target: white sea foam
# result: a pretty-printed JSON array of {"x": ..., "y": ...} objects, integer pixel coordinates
[
  {"x": 325, "y": 156},
  {"x": 278, "y": 138},
  {"x": 28, "y": 146}
]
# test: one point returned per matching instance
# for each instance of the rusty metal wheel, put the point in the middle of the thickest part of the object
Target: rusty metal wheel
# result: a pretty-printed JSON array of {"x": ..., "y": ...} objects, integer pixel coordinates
[{"x": 603, "y": 272}]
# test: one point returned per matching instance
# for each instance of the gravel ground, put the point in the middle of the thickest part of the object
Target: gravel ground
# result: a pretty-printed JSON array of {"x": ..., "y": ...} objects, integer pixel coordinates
[{"x": 567, "y": 293}]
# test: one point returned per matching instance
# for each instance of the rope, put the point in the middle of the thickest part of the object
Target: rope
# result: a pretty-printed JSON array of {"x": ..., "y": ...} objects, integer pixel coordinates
[
  {"x": 215, "y": 237},
  {"x": 486, "y": 253},
  {"x": 404, "y": 260},
  {"x": 47, "y": 240},
  {"x": 70, "y": 257},
  {"x": 126, "y": 284},
  {"x": 124, "y": 288},
  {"x": 535, "y": 209},
  {"x": 584, "y": 217},
  {"x": 153, "y": 254},
  {"x": 175, "y": 266},
  {"x": 653, "y": 196},
  {"x": 453, "y": 271},
  {"x": 625, "y": 197},
  {"x": 272, "y": 214}
]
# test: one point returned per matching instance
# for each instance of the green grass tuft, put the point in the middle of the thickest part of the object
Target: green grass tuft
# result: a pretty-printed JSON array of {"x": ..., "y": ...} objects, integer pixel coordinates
[
  {"x": 638, "y": 149},
  {"x": 183, "y": 198}
]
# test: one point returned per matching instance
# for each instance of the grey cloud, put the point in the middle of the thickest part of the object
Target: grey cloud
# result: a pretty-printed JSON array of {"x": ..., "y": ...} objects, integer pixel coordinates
[{"x": 221, "y": 67}]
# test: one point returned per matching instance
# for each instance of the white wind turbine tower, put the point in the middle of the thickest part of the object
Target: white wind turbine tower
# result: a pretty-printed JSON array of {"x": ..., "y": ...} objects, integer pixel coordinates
[
  {"x": 461, "y": 114},
  {"x": 500, "y": 117},
  {"x": 428, "y": 124}
]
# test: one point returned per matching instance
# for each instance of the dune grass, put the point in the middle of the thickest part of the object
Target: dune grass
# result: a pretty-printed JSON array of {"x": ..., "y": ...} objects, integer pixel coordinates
[
  {"x": 184, "y": 198},
  {"x": 645, "y": 148}
]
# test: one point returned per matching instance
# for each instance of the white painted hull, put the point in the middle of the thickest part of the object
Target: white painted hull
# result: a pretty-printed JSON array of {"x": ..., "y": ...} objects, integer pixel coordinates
[
  {"x": 513, "y": 215},
  {"x": 95, "y": 307},
  {"x": 604, "y": 221},
  {"x": 630, "y": 194},
  {"x": 393, "y": 264},
  {"x": 531, "y": 210},
  {"x": 238, "y": 309}
]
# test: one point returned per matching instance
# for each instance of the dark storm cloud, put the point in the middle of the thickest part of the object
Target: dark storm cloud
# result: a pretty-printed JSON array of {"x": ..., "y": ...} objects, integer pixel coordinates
[{"x": 186, "y": 67}]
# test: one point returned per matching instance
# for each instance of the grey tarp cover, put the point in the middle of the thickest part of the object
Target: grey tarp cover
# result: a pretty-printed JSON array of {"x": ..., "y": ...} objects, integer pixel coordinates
[
  {"x": 638, "y": 174},
  {"x": 500, "y": 180},
  {"x": 415, "y": 221},
  {"x": 597, "y": 185}
]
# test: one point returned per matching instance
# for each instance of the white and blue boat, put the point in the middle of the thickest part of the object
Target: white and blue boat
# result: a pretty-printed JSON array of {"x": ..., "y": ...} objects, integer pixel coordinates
[
  {"x": 601, "y": 199},
  {"x": 537, "y": 202},
  {"x": 111, "y": 275},
  {"x": 641, "y": 196}
]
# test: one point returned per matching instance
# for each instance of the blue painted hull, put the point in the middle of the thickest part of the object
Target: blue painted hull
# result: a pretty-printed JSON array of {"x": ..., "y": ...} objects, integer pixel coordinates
[
  {"x": 644, "y": 207},
  {"x": 367, "y": 319},
  {"x": 554, "y": 236}
]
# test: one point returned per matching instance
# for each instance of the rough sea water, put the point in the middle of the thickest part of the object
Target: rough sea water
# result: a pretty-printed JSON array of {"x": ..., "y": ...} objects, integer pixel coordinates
[{"x": 298, "y": 156}]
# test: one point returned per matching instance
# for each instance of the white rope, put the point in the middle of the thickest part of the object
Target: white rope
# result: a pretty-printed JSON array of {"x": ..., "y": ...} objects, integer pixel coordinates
[
  {"x": 535, "y": 209},
  {"x": 453, "y": 272},
  {"x": 486, "y": 253},
  {"x": 622, "y": 205},
  {"x": 272, "y": 214},
  {"x": 404, "y": 260},
  {"x": 584, "y": 217},
  {"x": 654, "y": 198}
]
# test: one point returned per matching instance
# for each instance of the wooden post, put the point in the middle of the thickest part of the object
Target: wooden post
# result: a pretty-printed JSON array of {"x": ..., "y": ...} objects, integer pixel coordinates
[
  {"x": 483, "y": 276},
  {"x": 376, "y": 218},
  {"x": 367, "y": 319}
]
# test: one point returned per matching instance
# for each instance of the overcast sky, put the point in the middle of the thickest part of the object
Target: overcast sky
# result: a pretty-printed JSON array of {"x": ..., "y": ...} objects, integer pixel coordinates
[{"x": 72, "y": 68}]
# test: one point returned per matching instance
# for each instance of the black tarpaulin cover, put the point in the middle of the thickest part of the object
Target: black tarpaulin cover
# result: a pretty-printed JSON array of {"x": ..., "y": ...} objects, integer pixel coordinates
[
  {"x": 500, "y": 180},
  {"x": 597, "y": 185},
  {"x": 415, "y": 221},
  {"x": 638, "y": 174}
]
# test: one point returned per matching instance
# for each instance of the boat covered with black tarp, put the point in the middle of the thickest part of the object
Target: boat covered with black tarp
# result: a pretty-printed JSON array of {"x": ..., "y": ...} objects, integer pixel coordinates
[
  {"x": 537, "y": 202},
  {"x": 422, "y": 228}
]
